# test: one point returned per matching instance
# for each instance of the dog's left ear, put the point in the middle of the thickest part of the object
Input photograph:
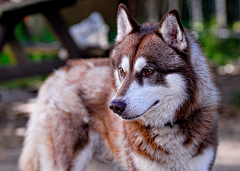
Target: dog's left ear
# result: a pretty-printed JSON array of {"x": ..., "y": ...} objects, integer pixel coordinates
[
  {"x": 125, "y": 23},
  {"x": 172, "y": 31}
]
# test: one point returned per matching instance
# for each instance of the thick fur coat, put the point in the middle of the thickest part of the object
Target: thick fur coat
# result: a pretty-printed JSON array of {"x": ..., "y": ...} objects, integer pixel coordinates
[{"x": 163, "y": 104}]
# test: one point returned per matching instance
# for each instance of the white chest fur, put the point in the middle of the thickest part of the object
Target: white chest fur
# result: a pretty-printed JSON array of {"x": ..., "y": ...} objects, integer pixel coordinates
[{"x": 180, "y": 158}]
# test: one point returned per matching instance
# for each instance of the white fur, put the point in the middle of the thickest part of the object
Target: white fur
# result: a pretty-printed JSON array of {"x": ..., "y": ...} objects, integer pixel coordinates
[
  {"x": 56, "y": 98},
  {"x": 139, "y": 64},
  {"x": 117, "y": 80},
  {"x": 124, "y": 27},
  {"x": 202, "y": 162},
  {"x": 126, "y": 66},
  {"x": 171, "y": 97},
  {"x": 125, "y": 63},
  {"x": 122, "y": 143},
  {"x": 206, "y": 87},
  {"x": 168, "y": 24},
  {"x": 90, "y": 64},
  {"x": 29, "y": 157},
  {"x": 139, "y": 100},
  {"x": 46, "y": 158},
  {"x": 85, "y": 155},
  {"x": 179, "y": 158},
  {"x": 60, "y": 94},
  {"x": 50, "y": 104},
  {"x": 113, "y": 52},
  {"x": 143, "y": 164}
]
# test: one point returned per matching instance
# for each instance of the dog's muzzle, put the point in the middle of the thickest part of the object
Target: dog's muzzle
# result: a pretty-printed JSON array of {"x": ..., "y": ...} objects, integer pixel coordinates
[{"x": 117, "y": 107}]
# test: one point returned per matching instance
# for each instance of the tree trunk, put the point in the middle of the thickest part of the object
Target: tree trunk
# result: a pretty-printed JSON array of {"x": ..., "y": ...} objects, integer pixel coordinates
[
  {"x": 152, "y": 10},
  {"x": 238, "y": 9},
  {"x": 164, "y": 7},
  {"x": 173, "y": 4},
  {"x": 196, "y": 14},
  {"x": 221, "y": 13}
]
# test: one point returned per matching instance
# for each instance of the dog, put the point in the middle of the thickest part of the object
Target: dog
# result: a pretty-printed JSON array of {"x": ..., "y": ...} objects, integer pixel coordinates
[{"x": 151, "y": 106}]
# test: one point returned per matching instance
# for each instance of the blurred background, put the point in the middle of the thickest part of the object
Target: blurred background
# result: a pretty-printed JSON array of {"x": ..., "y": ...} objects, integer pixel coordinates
[{"x": 38, "y": 36}]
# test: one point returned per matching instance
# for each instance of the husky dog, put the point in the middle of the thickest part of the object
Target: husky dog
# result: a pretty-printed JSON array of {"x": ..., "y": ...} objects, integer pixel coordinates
[{"x": 163, "y": 105}]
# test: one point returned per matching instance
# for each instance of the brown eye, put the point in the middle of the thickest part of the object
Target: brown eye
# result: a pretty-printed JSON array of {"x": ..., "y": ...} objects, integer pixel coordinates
[
  {"x": 147, "y": 71},
  {"x": 121, "y": 70}
]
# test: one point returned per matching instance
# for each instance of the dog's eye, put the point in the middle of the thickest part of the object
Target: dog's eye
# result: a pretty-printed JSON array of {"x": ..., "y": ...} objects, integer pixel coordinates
[
  {"x": 147, "y": 71},
  {"x": 121, "y": 71}
]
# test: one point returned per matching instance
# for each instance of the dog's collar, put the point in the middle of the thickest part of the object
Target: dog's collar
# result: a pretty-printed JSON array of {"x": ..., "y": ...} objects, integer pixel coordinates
[{"x": 171, "y": 124}]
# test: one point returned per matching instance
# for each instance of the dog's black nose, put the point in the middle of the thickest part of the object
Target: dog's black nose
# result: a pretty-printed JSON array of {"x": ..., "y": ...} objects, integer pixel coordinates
[{"x": 117, "y": 107}]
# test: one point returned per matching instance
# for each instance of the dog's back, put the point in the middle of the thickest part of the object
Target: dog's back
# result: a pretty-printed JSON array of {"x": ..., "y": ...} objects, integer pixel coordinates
[{"x": 58, "y": 129}]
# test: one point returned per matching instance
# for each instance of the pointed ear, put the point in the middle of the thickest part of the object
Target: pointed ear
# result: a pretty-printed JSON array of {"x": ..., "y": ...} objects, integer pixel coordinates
[
  {"x": 172, "y": 31},
  {"x": 125, "y": 23}
]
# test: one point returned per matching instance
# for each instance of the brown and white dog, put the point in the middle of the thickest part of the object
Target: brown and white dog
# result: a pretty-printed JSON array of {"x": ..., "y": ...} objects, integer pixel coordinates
[{"x": 158, "y": 83}]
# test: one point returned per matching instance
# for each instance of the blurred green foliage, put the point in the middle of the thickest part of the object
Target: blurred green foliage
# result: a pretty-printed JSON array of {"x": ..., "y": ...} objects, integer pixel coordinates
[
  {"x": 31, "y": 83},
  {"x": 112, "y": 33},
  {"x": 45, "y": 36},
  {"x": 22, "y": 36},
  {"x": 4, "y": 59},
  {"x": 219, "y": 51},
  {"x": 36, "y": 56}
]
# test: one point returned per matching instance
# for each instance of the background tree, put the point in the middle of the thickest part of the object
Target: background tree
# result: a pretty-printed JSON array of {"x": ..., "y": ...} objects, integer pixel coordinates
[
  {"x": 221, "y": 13},
  {"x": 196, "y": 14},
  {"x": 152, "y": 10}
]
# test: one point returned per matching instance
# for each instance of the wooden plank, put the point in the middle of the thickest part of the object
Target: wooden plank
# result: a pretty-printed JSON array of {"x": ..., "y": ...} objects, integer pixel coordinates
[
  {"x": 27, "y": 7},
  {"x": 61, "y": 30},
  {"x": 18, "y": 51},
  {"x": 6, "y": 30},
  {"x": 29, "y": 69},
  {"x": 11, "y": 13}
]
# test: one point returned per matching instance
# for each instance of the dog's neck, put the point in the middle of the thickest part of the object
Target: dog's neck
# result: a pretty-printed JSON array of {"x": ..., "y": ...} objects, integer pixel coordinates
[
  {"x": 177, "y": 122},
  {"x": 168, "y": 124}
]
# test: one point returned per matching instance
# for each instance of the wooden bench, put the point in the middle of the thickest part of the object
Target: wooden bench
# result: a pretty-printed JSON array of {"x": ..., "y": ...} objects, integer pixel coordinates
[{"x": 11, "y": 13}]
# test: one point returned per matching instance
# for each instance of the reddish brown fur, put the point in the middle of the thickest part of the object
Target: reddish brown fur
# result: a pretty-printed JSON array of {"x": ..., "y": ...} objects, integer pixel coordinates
[
  {"x": 195, "y": 122},
  {"x": 136, "y": 129}
]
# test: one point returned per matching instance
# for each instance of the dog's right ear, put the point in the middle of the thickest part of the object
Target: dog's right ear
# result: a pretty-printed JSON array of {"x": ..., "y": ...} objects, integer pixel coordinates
[{"x": 125, "y": 23}]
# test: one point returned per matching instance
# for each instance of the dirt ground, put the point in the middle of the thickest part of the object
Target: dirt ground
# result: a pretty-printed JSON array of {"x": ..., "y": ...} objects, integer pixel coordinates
[{"x": 16, "y": 104}]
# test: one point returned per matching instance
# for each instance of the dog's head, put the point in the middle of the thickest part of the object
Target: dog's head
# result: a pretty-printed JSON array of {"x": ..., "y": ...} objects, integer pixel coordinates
[{"x": 150, "y": 67}]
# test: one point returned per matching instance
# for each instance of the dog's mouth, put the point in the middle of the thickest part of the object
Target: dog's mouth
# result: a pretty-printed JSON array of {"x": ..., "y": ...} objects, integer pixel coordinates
[
  {"x": 136, "y": 117},
  {"x": 155, "y": 103},
  {"x": 131, "y": 118}
]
